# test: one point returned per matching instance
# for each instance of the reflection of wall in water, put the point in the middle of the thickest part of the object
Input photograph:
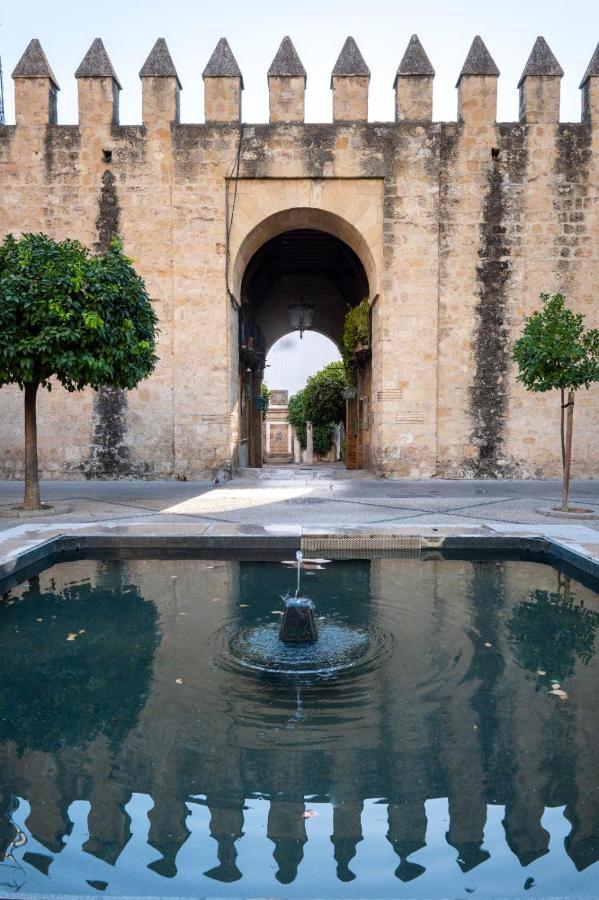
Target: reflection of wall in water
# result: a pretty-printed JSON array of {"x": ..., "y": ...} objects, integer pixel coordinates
[{"x": 447, "y": 717}]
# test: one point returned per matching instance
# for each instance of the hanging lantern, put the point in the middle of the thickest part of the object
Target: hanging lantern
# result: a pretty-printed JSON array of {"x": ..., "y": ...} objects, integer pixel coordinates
[{"x": 301, "y": 316}]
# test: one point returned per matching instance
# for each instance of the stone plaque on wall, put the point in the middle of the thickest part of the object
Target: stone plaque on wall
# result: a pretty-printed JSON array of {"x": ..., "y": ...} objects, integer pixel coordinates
[
  {"x": 279, "y": 398},
  {"x": 279, "y": 439}
]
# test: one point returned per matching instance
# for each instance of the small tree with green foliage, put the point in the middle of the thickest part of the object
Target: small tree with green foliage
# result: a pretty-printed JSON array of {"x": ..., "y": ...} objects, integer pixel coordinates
[
  {"x": 67, "y": 314},
  {"x": 324, "y": 399},
  {"x": 265, "y": 394},
  {"x": 322, "y": 434},
  {"x": 555, "y": 352},
  {"x": 356, "y": 335}
]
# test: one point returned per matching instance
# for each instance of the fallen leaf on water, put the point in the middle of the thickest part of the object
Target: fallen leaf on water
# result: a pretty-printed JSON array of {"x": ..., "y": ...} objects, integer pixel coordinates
[
  {"x": 557, "y": 693},
  {"x": 39, "y": 620},
  {"x": 487, "y": 644},
  {"x": 178, "y": 681},
  {"x": 71, "y": 636},
  {"x": 82, "y": 631},
  {"x": 541, "y": 672},
  {"x": 309, "y": 814}
]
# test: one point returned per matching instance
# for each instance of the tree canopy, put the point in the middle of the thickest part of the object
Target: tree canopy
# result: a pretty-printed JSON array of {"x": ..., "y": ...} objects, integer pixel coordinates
[
  {"x": 84, "y": 319},
  {"x": 555, "y": 351},
  {"x": 324, "y": 399}
]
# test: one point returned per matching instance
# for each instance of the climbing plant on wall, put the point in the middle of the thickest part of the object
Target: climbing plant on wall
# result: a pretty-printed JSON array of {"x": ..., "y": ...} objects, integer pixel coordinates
[{"x": 72, "y": 317}]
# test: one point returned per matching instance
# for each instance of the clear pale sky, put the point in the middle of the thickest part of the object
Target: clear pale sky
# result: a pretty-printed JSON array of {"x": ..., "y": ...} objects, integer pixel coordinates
[{"x": 318, "y": 29}]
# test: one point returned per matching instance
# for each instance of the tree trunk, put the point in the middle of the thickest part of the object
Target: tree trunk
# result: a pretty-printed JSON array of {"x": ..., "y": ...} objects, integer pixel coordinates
[
  {"x": 31, "y": 499},
  {"x": 562, "y": 421},
  {"x": 569, "y": 427}
]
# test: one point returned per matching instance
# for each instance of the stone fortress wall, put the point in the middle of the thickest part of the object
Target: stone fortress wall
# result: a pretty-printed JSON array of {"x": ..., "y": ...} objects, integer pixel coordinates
[{"x": 459, "y": 227}]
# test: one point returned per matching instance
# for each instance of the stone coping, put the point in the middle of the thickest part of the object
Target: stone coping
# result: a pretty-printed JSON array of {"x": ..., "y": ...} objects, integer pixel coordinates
[{"x": 26, "y": 545}]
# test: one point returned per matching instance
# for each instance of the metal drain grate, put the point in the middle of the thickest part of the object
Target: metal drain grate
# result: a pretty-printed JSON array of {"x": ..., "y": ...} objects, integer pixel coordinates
[{"x": 338, "y": 546}]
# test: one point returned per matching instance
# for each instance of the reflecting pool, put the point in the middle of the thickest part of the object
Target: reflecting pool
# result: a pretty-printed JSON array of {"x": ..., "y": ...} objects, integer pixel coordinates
[{"x": 439, "y": 739}]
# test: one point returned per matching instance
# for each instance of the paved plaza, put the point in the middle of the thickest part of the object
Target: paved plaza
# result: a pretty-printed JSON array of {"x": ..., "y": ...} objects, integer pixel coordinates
[{"x": 304, "y": 497}]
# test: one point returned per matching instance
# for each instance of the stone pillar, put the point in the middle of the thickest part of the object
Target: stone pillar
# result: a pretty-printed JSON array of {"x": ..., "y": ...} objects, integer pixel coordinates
[
  {"x": 286, "y": 85},
  {"x": 477, "y": 87},
  {"x": 97, "y": 88},
  {"x": 349, "y": 82},
  {"x": 297, "y": 448},
  {"x": 309, "y": 444},
  {"x": 590, "y": 90},
  {"x": 223, "y": 84},
  {"x": 539, "y": 86},
  {"x": 160, "y": 87},
  {"x": 35, "y": 88},
  {"x": 256, "y": 453},
  {"x": 413, "y": 85}
]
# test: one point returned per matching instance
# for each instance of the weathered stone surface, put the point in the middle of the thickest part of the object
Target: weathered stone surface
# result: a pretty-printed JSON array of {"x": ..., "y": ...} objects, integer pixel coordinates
[
  {"x": 592, "y": 70},
  {"x": 458, "y": 228},
  {"x": 286, "y": 61},
  {"x": 159, "y": 63},
  {"x": 96, "y": 63},
  {"x": 34, "y": 64},
  {"x": 414, "y": 61},
  {"x": 350, "y": 61},
  {"x": 541, "y": 61},
  {"x": 478, "y": 61},
  {"x": 222, "y": 63}
]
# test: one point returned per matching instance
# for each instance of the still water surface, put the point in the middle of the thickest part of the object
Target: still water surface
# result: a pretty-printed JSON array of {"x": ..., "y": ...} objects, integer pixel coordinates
[{"x": 144, "y": 749}]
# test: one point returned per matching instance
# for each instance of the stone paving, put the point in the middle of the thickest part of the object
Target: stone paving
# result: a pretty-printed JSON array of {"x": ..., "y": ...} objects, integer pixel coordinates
[{"x": 295, "y": 503}]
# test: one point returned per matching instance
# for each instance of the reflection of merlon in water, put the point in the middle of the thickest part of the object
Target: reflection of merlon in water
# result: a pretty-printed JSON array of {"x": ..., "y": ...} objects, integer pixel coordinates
[
  {"x": 525, "y": 836},
  {"x": 287, "y": 830},
  {"x": 168, "y": 832},
  {"x": 407, "y": 833},
  {"x": 108, "y": 822},
  {"x": 347, "y": 834},
  {"x": 226, "y": 827}
]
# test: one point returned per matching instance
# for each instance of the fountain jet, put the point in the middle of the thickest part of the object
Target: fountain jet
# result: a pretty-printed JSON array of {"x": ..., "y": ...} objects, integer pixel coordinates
[{"x": 299, "y": 620}]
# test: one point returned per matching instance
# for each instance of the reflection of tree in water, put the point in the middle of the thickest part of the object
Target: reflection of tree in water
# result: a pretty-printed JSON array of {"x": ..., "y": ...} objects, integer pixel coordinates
[
  {"x": 57, "y": 691},
  {"x": 549, "y": 632}
]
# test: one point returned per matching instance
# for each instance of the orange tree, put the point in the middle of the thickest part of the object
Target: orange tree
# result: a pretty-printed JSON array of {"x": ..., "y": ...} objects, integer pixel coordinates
[
  {"x": 555, "y": 352},
  {"x": 69, "y": 315}
]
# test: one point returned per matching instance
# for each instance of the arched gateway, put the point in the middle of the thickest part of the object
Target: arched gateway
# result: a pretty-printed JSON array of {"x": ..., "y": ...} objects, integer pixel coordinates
[
  {"x": 451, "y": 229},
  {"x": 295, "y": 259}
]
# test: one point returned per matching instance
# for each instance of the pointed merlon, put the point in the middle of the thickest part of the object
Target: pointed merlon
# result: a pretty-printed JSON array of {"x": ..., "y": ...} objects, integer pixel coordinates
[
  {"x": 159, "y": 63},
  {"x": 287, "y": 62},
  {"x": 222, "y": 63},
  {"x": 350, "y": 62},
  {"x": 479, "y": 61},
  {"x": 96, "y": 63},
  {"x": 34, "y": 64},
  {"x": 414, "y": 61},
  {"x": 592, "y": 68},
  {"x": 541, "y": 61}
]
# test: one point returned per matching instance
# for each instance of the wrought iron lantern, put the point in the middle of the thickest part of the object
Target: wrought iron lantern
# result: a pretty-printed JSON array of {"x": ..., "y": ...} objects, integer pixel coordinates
[{"x": 301, "y": 316}]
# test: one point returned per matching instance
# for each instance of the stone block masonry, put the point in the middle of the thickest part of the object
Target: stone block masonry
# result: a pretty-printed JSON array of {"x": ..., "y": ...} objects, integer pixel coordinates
[{"x": 459, "y": 226}]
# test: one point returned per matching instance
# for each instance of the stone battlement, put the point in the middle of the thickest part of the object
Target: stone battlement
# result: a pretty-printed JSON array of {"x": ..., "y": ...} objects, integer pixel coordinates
[
  {"x": 36, "y": 87},
  {"x": 450, "y": 229}
]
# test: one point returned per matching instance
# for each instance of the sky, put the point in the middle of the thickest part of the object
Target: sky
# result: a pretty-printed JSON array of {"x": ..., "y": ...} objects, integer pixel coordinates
[
  {"x": 318, "y": 29},
  {"x": 290, "y": 360}
]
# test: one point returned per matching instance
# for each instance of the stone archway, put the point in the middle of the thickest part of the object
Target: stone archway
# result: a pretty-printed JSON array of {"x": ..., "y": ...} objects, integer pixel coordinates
[{"x": 305, "y": 253}]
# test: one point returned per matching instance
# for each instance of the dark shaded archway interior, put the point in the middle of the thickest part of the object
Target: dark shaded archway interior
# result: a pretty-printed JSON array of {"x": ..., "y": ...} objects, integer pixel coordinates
[{"x": 308, "y": 264}]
